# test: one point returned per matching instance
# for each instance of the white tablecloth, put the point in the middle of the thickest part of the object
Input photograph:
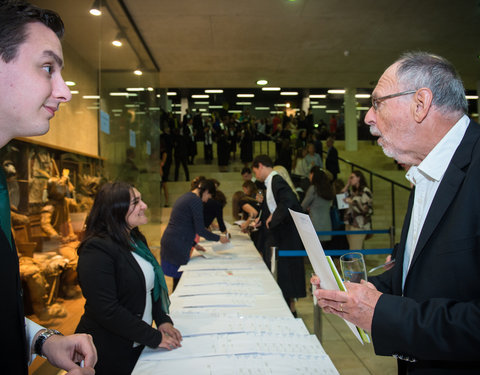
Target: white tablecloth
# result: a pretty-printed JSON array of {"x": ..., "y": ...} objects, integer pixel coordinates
[{"x": 234, "y": 320}]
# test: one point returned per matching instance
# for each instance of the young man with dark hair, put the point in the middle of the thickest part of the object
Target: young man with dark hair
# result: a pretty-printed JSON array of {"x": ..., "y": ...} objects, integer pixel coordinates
[
  {"x": 31, "y": 88},
  {"x": 280, "y": 228}
]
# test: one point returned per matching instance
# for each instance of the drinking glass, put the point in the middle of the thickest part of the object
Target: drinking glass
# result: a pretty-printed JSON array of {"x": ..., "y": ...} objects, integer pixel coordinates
[{"x": 353, "y": 267}]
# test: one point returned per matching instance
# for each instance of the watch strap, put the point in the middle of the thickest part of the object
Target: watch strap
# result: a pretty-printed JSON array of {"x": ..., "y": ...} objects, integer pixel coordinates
[{"x": 42, "y": 338}]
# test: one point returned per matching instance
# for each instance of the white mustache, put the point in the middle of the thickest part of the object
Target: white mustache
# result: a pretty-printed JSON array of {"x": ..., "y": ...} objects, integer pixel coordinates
[{"x": 374, "y": 131}]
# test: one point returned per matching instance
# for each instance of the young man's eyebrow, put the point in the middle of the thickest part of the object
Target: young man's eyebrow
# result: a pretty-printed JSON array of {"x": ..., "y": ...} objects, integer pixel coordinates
[{"x": 53, "y": 55}]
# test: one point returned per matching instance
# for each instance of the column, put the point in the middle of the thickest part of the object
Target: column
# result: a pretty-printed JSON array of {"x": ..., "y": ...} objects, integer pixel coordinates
[{"x": 350, "y": 113}]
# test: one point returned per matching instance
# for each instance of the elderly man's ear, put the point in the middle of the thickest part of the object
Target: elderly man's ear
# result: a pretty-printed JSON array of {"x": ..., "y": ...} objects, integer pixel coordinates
[{"x": 423, "y": 103}]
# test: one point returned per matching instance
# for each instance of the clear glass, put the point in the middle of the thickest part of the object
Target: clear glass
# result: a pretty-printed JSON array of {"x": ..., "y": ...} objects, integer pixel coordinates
[{"x": 353, "y": 267}]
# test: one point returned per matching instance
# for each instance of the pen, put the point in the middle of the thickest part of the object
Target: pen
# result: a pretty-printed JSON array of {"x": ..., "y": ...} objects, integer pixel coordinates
[{"x": 382, "y": 265}]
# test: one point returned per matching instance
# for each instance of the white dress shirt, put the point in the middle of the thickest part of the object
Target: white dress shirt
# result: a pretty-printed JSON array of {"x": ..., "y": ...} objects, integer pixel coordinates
[{"x": 426, "y": 177}]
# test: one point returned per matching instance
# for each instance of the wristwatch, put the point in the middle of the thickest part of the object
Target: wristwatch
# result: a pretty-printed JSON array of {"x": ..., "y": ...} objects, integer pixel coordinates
[{"x": 41, "y": 340}]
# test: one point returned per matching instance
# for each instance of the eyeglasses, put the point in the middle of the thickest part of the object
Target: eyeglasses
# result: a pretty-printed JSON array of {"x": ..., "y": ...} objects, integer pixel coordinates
[{"x": 375, "y": 101}]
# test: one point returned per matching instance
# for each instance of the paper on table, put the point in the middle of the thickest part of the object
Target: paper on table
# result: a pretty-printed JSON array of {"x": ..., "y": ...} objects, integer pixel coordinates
[
  {"x": 320, "y": 263},
  {"x": 341, "y": 204},
  {"x": 222, "y": 246}
]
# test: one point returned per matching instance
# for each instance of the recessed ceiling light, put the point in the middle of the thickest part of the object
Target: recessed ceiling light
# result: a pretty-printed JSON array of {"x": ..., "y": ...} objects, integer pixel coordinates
[
  {"x": 336, "y": 92},
  {"x": 91, "y": 96},
  {"x": 74, "y": 91},
  {"x": 472, "y": 97},
  {"x": 245, "y": 95},
  {"x": 262, "y": 82},
  {"x": 171, "y": 93},
  {"x": 271, "y": 89},
  {"x": 137, "y": 72},
  {"x": 362, "y": 96},
  {"x": 70, "y": 83},
  {"x": 317, "y": 96},
  {"x": 200, "y": 96},
  {"x": 213, "y": 91},
  {"x": 289, "y": 93}
]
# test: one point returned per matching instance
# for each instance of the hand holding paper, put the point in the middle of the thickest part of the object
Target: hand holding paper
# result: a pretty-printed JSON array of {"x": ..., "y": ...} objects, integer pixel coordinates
[{"x": 356, "y": 305}]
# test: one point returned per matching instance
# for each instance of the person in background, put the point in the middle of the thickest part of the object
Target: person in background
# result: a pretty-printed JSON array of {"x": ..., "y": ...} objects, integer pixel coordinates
[
  {"x": 425, "y": 310},
  {"x": 180, "y": 153},
  {"x": 281, "y": 230},
  {"x": 358, "y": 215},
  {"x": 317, "y": 203},
  {"x": 186, "y": 221},
  {"x": 122, "y": 282},
  {"x": 213, "y": 209},
  {"x": 250, "y": 189},
  {"x": 32, "y": 88},
  {"x": 331, "y": 161},
  {"x": 312, "y": 159},
  {"x": 247, "y": 176}
]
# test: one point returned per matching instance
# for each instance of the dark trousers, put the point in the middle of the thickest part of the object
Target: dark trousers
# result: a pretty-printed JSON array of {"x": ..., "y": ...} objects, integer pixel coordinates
[
  {"x": 183, "y": 161},
  {"x": 208, "y": 151}
]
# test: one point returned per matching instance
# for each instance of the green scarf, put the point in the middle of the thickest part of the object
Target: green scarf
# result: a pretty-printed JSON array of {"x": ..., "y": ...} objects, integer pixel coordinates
[
  {"x": 160, "y": 286},
  {"x": 5, "y": 224}
]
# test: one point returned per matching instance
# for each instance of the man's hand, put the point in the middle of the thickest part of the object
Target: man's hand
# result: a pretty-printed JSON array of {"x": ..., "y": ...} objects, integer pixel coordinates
[
  {"x": 356, "y": 305},
  {"x": 267, "y": 222},
  {"x": 66, "y": 351}
]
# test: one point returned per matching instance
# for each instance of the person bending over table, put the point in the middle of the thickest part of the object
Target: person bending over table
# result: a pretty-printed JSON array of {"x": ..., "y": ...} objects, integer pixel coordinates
[
  {"x": 186, "y": 221},
  {"x": 122, "y": 282}
]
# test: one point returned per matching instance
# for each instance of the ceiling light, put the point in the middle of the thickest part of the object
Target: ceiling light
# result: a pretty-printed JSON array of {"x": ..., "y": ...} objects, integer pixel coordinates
[
  {"x": 317, "y": 96},
  {"x": 91, "y": 96},
  {"x": 215, "y": 106},
  {"x": 70, "y": 83},
  {"x": 215, "y": 91},
  {"x": 200, "y": 96},
  {"x": 117, "y": 42},
  {"x": 138, "y": 72},
  {"x": 234, "y": 111},
  {"x": 150, "y": 88},
  {"x": 289, "y": 93},
  {"x": 171, "y": 93},
  {"x": 271, "y": 89},
  {"x": 262, "y": 108},
  {"x": 336, "y": 92},
  {"x": 201, "y": 103},
  {"x": 262, "y": 82},
  {"x": 245, "y": 95},
  {"x": 332, "y": 111},
  {"x": 472, "y": 97},
  {"x": 74, "y": 91},
  {"x": 280, "y": 105},
  {"x": 319, "y": 106},
  {"x": 363, "y": 108},
  {"x": 362, "y": 96},
  {"x": 244, "y": 103},
  {"x": 95, "y": 8},
  {"x": 135, "y": 89}
]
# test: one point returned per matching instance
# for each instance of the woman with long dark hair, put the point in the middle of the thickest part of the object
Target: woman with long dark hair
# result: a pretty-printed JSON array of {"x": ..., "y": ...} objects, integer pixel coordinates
[
  {"x": 122, "y": 282},
  {"x": 318, "y": 201},
  {"x": 359, "y": 213}
]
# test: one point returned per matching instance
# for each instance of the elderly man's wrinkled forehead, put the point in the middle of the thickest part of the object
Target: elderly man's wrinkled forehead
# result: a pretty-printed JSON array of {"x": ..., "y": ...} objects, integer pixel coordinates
[{"x": 388, "y": 82}]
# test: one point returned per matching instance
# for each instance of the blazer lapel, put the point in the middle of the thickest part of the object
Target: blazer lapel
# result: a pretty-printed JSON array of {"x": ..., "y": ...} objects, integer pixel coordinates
[{"x": 451, "y": 182}]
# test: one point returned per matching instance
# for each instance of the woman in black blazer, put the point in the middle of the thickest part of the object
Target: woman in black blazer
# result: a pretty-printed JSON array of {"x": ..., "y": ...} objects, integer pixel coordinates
[{"x": 122, "y": 282}]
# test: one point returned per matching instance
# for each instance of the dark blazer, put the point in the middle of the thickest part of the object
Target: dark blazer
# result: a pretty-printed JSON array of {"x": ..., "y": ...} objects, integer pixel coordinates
[
  {"x": 437, "y": 321},
  {"x": 284, "y": 235},
  {"x": 186, "y": 220},
  {"x": 114, "y": 287},
  {"x": 14, "y": 357}
]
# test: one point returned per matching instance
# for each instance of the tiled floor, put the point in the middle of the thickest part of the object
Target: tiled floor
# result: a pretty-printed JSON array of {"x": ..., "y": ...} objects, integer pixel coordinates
[{"x": 348, "y": 355}]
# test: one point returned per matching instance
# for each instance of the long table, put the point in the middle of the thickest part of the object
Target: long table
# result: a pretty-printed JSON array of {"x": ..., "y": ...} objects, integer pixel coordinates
[{"x": 234, "y": 320}]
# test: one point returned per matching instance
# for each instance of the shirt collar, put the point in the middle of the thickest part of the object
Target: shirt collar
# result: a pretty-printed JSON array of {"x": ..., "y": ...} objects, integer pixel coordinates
[{"x": 435, "y": 164}]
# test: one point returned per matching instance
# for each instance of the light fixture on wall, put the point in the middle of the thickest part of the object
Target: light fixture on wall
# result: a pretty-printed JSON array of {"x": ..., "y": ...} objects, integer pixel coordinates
[
  {"x": 138, "y": 71},
  {"x": 117, "y": 42},
  {"x": 95, "y": 8}
]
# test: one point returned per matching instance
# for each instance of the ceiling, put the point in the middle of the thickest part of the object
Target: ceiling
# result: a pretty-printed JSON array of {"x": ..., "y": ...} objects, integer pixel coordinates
[{"x": 302, "y": 43}]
